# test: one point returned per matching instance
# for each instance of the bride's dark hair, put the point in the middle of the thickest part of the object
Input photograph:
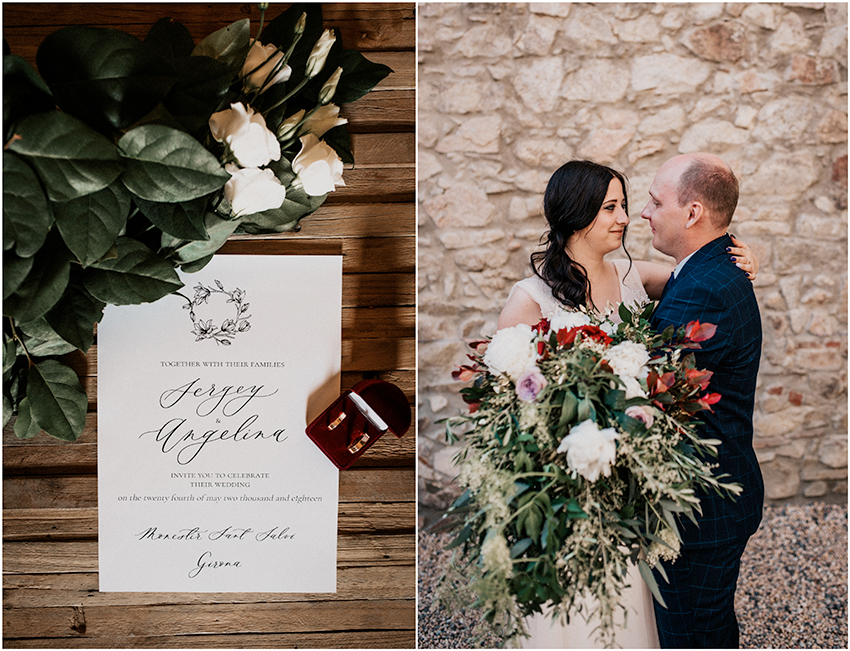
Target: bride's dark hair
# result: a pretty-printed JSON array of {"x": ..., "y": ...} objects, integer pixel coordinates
[{"x": 572, "y": 200}]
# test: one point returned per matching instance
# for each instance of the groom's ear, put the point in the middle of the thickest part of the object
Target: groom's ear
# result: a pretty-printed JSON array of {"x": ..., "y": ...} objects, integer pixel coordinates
[{"x": 696, "y": 213}]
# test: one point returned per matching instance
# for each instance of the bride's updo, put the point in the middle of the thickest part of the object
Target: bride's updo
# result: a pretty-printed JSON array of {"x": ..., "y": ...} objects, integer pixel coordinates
[{"x": 573, "y": 198}]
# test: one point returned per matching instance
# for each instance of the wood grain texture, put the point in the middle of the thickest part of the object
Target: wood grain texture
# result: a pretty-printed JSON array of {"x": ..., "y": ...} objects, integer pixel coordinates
[{"x": 50, "y": 557}]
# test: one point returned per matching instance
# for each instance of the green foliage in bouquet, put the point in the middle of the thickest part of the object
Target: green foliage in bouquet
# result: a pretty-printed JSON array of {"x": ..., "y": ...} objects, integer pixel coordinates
[
  {"x": 581, "y": 454},
  {"x": 126, "y": 159}
]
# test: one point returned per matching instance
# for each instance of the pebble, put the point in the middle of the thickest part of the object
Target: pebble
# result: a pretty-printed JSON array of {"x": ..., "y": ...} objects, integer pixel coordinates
[{"x": 792, "y": 591}]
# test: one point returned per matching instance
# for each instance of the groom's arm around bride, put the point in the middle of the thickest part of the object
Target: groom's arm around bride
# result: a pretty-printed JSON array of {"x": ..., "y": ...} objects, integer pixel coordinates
[{"x": 692, "y": 200}]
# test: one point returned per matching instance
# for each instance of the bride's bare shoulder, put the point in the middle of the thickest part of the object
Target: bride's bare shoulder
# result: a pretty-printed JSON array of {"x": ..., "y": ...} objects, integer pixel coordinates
[{"x": 520, "y": 308}]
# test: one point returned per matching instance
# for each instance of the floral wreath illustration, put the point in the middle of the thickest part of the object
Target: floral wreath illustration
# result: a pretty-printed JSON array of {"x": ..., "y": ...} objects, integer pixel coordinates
[{"x": 229, "y": 327}]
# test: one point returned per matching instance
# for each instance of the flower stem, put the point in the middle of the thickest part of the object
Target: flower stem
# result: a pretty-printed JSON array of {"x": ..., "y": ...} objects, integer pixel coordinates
[{"x": 17, "y": 338}]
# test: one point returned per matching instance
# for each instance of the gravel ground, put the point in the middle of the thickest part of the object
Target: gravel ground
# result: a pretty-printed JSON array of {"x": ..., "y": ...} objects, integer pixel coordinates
[{"x": 792, "y": 592}]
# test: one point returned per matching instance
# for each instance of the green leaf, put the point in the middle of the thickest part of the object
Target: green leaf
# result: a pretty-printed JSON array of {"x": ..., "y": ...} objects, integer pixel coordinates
[
  {"x": 646, "y": 574},
  {"x": 183, "y": 220},
  {"x": 15, "y": 271},
  {"x": 10, "y": 353},
  {"x": 169, "y": 39},
  {"x": 569, "y": 408},
  {"x": 57, "y": 402},
  {"x": 196, "y": 265},
  {"x": 218, "y": 229},
  {"x": 359, "y": 76},
  {"x": 616, "y": 399},
  {"x": 25, "y": 426},
  {"x": 520, "y": 547},
  {"x": 7, "y": 409},
  {"x": 71, "y": 159},
  {"x": 164, "y": 164},
  {"x": 90, "y": 224},
  {"x": 136, "y": 276},
  {"x": 24, "y": 93},
  {"x": 43, "y": 286},
  {"x": 105, "y": 77},
  {"x": 74, "y": 316},
  {"x": 228, "y": 45},
  {"x": 26, "y": 214}
]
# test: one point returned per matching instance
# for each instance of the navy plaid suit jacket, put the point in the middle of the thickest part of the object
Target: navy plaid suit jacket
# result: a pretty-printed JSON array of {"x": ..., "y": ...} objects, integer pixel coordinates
[{"x": 711, "y": 289}]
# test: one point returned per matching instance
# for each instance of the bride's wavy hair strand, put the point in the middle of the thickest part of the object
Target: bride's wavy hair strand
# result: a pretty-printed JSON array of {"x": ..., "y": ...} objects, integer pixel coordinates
[{"x": 572, "y": 200}]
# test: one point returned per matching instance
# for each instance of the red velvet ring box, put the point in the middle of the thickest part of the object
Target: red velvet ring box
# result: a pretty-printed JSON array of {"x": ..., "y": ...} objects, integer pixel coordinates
[{"x": 351, "y": 425}]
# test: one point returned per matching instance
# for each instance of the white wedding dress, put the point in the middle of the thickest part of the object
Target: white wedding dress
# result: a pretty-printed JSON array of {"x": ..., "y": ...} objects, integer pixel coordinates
[{"x": 640, "y": 632}]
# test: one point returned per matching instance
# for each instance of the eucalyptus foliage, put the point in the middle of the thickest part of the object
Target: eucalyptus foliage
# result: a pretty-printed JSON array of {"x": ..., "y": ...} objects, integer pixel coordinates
[
  {"x": 535, "y": 534},
  {"x": 111, "y": 181}
]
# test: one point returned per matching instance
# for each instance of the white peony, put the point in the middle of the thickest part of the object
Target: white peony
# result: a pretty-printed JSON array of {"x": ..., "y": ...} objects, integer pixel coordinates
[
  {"x": 628, "y": 359},
  {"x": 252, "y": 190},
  {"x": 590, "y": 451},
  {"x": 246, "y": 135},
  {"x": 568, "y": 319},
  {"x": 511, "y": 351},
  {"x": 317, "y": 166},
  {"x": 633, "y": 387}
]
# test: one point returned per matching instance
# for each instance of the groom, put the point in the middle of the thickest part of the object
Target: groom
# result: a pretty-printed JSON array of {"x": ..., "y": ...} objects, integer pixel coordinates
[{"x": 692, "y": 200}]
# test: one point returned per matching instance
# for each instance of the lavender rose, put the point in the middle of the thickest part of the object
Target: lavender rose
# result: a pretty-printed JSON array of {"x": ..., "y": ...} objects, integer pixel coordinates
[{"x": 530, "y": 384}]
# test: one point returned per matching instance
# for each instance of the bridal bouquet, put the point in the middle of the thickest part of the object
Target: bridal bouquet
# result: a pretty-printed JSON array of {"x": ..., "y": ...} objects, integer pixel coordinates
[
  {"x": 159, "y": 151},
  {"x": 581, "y": 453}
]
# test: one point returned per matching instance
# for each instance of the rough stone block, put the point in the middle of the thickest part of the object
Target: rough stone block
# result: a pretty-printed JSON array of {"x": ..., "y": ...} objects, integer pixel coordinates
[{"x": 781, "y": 478}]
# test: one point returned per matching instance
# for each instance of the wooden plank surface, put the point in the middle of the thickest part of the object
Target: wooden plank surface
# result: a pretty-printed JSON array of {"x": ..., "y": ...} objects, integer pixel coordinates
[{"x": 50, "y": 582}]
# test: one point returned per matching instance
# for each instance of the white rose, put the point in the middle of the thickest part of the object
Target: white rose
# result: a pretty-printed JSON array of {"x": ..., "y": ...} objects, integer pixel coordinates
[
  {"x": 322, "y": 120},
  {"x": 317, "y": 166},
  {"x": 246, "y": 135},
  {"x": 568, "y": 319},
  {"x": 252, "y": 190},
  {"x": 319, "y": 54},
  {"x": 643, "y": 413},
  {"x": 590, "y": 451},
  {"x": 257, "y": 55},
  {"x": 627, "y": 359},
  {"x": 511, "y": 351}
]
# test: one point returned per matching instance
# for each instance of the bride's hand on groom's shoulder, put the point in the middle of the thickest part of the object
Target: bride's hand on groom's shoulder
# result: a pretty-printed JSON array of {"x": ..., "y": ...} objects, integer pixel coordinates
[{"x": 743, "y": 257}]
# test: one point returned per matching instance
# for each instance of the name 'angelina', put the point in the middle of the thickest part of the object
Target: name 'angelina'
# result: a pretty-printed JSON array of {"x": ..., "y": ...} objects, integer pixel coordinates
[{"x": 188, "y": 444}]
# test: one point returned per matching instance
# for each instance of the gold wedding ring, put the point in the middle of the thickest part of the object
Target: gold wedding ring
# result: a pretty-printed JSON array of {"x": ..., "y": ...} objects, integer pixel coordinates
[
  {"x": 336, "y": 423},
  {"x": 359, "y": 443}
]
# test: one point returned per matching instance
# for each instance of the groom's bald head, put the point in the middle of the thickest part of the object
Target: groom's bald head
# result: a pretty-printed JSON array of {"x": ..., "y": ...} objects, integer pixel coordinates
[{"x": 706, "y": 178}]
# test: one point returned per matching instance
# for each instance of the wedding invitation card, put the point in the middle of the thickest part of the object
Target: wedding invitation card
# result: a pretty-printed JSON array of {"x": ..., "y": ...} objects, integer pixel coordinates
[{"x": 207, "y": 481}]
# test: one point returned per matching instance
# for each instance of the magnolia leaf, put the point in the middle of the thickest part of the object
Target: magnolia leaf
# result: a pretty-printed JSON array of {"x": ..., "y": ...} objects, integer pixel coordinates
[
  {"x": 136, "y": 276},
  {"x": 7, "y": 409},
  {"x": 170, "y": 39},
  {"x": 105, "y": 77},
  {"x": 26, "y": 213},
  {"x": 25, "y": 426},
  {"x": 228, "y": 45},
  {"x": 71, "y": 159},
  {"x": 41, "y": 340},
  {"x": 340, "y": 140},
  {"x": 297, "y": 205},
  {"x": 281, "y": 31},
  {"x": 569, "y": 408},
  {"x": 183, "y": 220},
  {"x": 164, "y": 164},
  {"x": 74, "y": 316},
  {"x": 43, "y": 286},
  {"x": 196, "y": 265},
  {"x": 218, "y": 229},
  {"x": 359, "y": 76},
  {"x": 57, "y": 402},
  {"x": 518, "y": 548},
  {"x": 24, "y": 93},
  {"x": 15, "y": 271},
  {"x": 202, "y": 85},
  {"x": 90, "y": 224},
  {"x": 10, "y": 353}
]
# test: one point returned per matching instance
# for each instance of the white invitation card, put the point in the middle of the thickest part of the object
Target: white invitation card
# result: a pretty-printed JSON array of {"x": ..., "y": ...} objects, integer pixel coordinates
[{"x": 207, "y": 481}]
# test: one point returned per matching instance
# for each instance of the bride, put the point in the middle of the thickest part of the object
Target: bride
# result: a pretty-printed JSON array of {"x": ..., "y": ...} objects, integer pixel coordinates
[{"x": 587, "y": 210}]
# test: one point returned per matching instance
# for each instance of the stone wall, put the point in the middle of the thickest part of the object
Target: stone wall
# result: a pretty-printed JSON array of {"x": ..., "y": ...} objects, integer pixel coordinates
[{"x": 508, "y": 92}]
